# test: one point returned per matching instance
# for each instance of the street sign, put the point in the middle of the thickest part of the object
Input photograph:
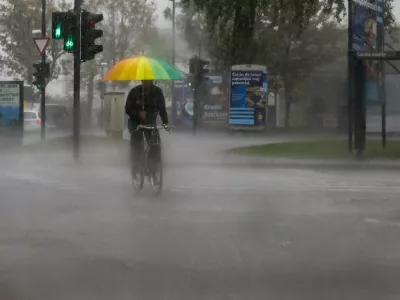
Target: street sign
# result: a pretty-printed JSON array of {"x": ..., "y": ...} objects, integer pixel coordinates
[
  {"x": 386, "y": 55},
  {"x": 41, "y": 44}
]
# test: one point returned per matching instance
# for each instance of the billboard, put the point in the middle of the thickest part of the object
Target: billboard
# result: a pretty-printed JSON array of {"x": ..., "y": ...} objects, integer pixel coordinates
[
  {"x": 182, "y": 103},
  {"x": 11, "y": 103},
  {"x": 367, "y": 36},
  {"x": 214, "y": 106},
  {"x": 248, "y": 95},
  {"x": 11, "y": 113}
]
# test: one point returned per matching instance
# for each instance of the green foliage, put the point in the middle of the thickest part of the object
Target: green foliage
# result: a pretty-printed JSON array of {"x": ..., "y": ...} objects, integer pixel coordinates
[
  {"x": 125, "y": 25},
  {"x": 19, "y": 18},
  {"x": 326, "y": 149},
  {"x": 191, "y": 24},
  {"x": 291, "y": 37}
]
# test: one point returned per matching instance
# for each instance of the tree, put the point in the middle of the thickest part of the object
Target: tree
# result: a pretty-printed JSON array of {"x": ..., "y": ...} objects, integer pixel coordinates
[
  {"x": 191, "y": 24},
  {"x": 126, "y": 26},
  {"x": 291, "y": 37},
  {"x": 18, "y": 19},
  {"x": 293, "y": 51}
]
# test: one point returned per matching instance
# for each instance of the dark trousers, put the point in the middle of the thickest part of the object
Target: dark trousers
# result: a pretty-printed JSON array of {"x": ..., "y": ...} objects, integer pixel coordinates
[{"x": 137, "y": 146}]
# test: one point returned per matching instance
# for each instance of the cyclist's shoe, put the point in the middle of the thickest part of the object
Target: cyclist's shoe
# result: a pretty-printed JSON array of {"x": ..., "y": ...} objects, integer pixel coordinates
[
  {"x": 135, "y": 173},
  {"x": 166, "y": 127},
  {"x": 156, "y": 179}
]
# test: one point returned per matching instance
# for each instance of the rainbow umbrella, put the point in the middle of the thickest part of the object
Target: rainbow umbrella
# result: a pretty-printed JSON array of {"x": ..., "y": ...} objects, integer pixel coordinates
[{"x": 142, "y": 68}]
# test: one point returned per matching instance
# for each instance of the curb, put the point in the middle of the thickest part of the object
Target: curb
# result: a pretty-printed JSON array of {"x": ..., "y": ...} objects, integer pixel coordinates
[{"x": 310, "y": 163}]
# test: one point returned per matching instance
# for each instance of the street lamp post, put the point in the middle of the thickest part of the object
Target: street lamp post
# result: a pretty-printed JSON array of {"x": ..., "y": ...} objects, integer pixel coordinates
[
  {"x": 173, "y": 57},
  {"x": 173, "y": 31},
  {"x": 43, "y": 87}
]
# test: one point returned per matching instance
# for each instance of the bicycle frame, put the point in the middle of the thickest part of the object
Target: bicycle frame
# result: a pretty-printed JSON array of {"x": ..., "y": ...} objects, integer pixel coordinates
[
  {"x": 149, "y": 144},
  {"x": 146, "y": 165}
]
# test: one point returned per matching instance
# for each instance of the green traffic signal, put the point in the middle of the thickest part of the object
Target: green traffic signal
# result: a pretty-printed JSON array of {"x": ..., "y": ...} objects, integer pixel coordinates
[
  {"x": 69, "y": 43},
  {"x": 58, "y": 32}
]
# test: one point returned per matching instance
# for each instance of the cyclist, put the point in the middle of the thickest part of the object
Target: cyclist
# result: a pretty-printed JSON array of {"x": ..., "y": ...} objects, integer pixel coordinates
[{"x": 143, "y": 104}]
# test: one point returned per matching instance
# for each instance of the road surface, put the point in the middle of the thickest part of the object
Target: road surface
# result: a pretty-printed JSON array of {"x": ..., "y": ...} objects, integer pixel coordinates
[{"x": 218, "y": 231}]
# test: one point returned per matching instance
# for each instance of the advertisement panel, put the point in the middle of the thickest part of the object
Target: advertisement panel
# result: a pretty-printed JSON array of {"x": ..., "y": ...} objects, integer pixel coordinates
[
  {"x": 11, "y": 103},
  {"x": 367, "y": 35},
  {"x": 182, "y": 103},
  {"x": 214, "y": 105},
  {"x": 248, "y": 95},
  {"x": 11, "y": 113}
]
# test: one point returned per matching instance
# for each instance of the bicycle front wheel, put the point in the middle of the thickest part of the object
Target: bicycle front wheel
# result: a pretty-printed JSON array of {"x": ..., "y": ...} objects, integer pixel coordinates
[
  {"x": 156, "y": 178},
  {"x": 137, "y": 178}
]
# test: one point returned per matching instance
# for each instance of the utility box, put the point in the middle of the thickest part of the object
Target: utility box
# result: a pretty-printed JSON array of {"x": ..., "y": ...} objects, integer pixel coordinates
[{"x": 114, "y": 113}]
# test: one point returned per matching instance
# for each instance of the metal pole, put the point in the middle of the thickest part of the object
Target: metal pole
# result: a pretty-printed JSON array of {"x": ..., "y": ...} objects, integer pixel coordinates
[
  {"x": 383, "y": 100},
  {"x": 382, "y": 90},
  {"x": 173, "y": 31},
  {"x": 384, "y": 125},
  {"x": 43, "y": 86},
  {"x": 77, "y": 78},
  {"x": 173, "y": 61},
  {"x": 350, "y": 77}
]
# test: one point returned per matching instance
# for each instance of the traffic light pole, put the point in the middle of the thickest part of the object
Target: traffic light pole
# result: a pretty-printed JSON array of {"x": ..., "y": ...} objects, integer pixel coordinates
[
  {"x": 77, "y": 79},
  {"x": 43, "y": 85}
]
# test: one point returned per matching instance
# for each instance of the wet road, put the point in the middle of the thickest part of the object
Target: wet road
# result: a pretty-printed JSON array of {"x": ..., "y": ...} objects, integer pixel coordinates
[{"x": 217, "y": 231}]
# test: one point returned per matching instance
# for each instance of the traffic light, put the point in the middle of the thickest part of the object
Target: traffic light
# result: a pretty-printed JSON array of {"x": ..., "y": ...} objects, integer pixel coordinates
[
  {"x": 41, "y": 72},
  {"x": 193, "y": 65},
  {"x": 63, "y": 27},
  {"x": 198, "y": 66},
  {"x": 203, "y": 67},
  {"x": 89, "y": 34},
  {"x": 37, "y": 76},
  {"x": 69, "y": 43},
  {"x": 58, "y": 24}
]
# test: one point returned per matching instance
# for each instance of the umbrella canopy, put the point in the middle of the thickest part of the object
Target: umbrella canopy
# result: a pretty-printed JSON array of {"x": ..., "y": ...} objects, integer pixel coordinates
[{"x": 142, "y": 68}]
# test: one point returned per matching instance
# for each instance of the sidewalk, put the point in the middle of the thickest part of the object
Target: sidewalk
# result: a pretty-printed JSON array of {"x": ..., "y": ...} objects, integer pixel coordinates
[
  {"x": 310, "y": 163},
  {"x": 185, "y": 149}
]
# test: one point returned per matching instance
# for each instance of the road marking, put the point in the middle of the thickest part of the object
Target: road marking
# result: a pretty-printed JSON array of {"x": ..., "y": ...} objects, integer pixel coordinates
[
  {"x": 34, "y": 179},
  {"x": 288, "y": 187},
  {"x": 384, "y": 223}
]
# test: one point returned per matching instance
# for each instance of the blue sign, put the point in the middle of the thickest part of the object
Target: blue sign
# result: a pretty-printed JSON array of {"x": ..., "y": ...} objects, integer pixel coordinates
[
  {"x": 367, "y": 34},
  {"x": 11, "y": 103},
  {"x": 11, "y": 113},
  {"x": 183, "y": 103},
  {"x": 248, "y": 97}
]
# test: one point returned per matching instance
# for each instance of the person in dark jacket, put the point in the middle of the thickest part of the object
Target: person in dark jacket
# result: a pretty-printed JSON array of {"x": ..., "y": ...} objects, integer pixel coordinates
[{"x": 143, "y": 104}]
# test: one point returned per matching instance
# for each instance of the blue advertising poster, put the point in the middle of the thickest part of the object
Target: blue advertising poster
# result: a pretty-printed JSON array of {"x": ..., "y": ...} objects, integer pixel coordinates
[
  {"x": 11, "y": 113},
  {"x": 365, "y": 16},
  {"x": 11, "y": 104},
  {"x": 214, "y": 108},
  {"x": 367, "y": 33},
  {"x": 248, "y": 97},
  {"x": 183, "y": 103}
]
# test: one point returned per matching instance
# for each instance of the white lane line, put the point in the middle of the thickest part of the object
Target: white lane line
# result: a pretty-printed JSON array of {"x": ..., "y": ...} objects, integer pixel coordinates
[
  {"x": 384, "y": 223},
  {"x": 34, "y": 179},
  {"x": 321, "y": 188}
]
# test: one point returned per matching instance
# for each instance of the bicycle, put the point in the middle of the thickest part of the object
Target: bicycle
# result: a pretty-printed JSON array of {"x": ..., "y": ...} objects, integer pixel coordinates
[{"x": 151, "y": 169}]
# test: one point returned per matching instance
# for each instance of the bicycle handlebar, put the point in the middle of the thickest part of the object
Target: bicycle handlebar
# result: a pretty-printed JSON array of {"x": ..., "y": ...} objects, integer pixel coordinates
[{"x": 150, "y": 127}]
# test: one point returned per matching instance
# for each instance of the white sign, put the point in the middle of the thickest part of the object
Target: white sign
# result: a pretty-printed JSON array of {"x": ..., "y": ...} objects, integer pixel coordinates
[
  {"x": 41, "y": 44},
  {"x": 9, "y": 94}
]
